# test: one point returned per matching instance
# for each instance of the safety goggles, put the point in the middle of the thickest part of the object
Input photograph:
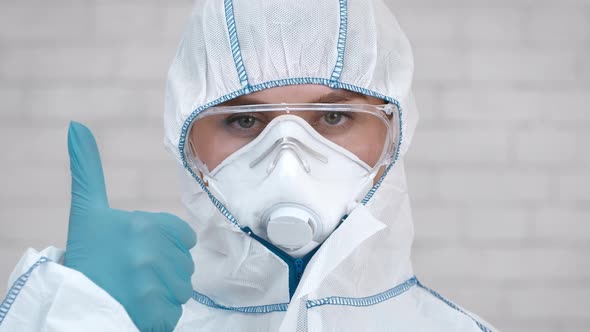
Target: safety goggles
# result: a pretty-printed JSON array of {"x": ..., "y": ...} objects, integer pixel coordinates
[{"x": 370, "y": 132}]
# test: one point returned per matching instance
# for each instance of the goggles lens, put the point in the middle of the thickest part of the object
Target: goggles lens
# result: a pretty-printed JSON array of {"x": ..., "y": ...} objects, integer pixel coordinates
[{"x": 368, "y": 131}]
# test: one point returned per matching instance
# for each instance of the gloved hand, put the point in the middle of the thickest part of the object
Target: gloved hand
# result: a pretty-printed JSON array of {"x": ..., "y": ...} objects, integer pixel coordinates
[{"x": 141, "y": 259}]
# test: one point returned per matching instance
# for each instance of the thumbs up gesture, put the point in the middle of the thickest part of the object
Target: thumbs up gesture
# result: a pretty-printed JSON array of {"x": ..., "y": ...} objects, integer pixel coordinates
[{"x": 141, "y": 259}]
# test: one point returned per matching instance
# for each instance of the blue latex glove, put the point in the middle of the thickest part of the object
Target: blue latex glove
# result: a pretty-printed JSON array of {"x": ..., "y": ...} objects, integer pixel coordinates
[{"x": 141, "y": 259}]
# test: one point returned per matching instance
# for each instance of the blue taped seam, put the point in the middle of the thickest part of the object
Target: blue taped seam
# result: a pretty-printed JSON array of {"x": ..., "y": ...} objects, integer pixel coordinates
[
  {"x": 332, "y": 300},
  {"x": 454, "y": 306},
  {"x": 261, "y": 309},
  {"x": 17, "y": 286},
  {"x": 364, "y": 301},
  {"x": 234, "y": 43},
  {"x": 270, "y": 84},
  {"x": 341, "y": 45}
]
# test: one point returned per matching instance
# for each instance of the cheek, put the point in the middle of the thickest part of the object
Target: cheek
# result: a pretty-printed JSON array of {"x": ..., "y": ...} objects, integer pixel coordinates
[
  {"x": 369, "y": 146},
  {"x": 212, "y": 144},
  {"x": 369, "y": 152},
  {"x": 379, "y": 174},
  {"x": 215, "y": 150}
]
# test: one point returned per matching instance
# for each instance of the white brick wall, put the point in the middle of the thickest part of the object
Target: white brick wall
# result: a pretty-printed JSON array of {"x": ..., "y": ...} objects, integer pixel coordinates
[{"x": 498, "y": 171}]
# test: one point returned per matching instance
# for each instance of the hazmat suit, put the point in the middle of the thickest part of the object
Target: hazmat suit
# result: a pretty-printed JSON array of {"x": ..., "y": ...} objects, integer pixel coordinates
[{"x": 357, "y": 278}]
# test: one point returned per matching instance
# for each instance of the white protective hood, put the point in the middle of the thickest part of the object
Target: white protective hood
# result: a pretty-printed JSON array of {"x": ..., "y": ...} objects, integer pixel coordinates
[{"x": 361, "y": 278}]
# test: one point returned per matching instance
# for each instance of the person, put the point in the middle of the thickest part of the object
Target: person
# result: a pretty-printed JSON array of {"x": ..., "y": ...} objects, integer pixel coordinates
[{"x": 289, "y": 121}]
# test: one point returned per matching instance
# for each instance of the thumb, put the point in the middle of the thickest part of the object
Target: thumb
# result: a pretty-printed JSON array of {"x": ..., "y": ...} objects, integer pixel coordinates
[{"x": 88, "y": 188}]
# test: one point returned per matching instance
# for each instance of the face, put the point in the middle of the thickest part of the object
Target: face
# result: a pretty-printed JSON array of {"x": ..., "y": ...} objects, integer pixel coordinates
[{"x": 363, "y": 134}]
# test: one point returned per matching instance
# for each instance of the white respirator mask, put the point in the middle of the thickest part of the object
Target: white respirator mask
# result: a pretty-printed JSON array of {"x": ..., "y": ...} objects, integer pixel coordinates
[{"x": 291, "y": 183}]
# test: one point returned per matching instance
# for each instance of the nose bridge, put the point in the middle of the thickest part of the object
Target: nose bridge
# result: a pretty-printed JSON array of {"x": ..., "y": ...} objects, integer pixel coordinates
[
  {"x": 290, "y": 151},
  {"x": 291, "y": 155}
]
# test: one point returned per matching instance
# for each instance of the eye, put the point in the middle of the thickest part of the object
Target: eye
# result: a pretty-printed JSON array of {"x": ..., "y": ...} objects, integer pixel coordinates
[
  {"x": 333, "y": 118},
  {"x": 242, "y": 121},
  {"x": 337, "y": 118},
  {"x": 246, "y": 121}
]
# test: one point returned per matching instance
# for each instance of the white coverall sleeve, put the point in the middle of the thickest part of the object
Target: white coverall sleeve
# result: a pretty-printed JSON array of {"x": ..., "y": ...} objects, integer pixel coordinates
[{"x": 44, "y": 295}]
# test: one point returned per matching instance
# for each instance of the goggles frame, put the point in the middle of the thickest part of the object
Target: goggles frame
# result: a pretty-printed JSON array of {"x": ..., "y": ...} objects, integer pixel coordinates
[{"x": 389, "y": 113}]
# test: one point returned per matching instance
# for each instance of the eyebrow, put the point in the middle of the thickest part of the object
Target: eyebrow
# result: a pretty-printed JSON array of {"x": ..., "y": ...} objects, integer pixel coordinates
[{"x": 337, "y": 96}]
